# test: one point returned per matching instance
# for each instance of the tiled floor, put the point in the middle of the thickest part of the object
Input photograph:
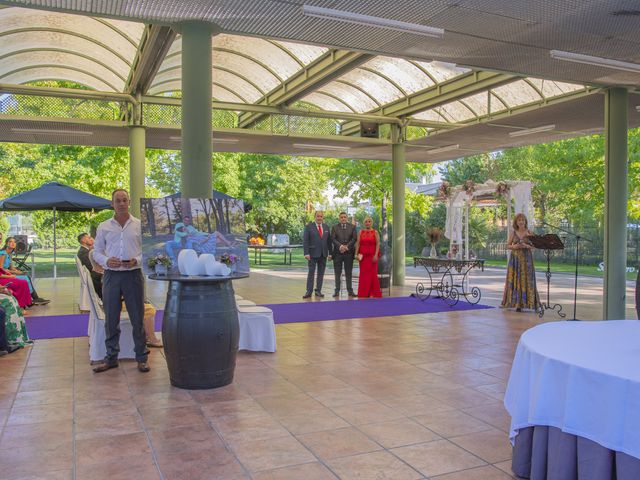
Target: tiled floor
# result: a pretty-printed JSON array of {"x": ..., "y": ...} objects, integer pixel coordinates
[{"x": 408, "y": 397}]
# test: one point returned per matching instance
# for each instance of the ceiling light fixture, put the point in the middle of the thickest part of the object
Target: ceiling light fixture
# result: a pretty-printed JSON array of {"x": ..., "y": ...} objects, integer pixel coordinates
[
  {"x": 447, "y": 148},
  {"x": 370, "y": 21},
  {"x": 310, "y": 146},
  {"x": 45, "y": 131},
  {"x": 597, "y": 61},
  {"x": 531, "y": 131}
]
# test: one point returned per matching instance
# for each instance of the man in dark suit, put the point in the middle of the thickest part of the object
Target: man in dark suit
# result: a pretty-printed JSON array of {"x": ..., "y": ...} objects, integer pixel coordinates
[
  {"x": 316, "y": 250},
  {"x": 86, "y": 244},
  {"x": 343, "y": 242}
]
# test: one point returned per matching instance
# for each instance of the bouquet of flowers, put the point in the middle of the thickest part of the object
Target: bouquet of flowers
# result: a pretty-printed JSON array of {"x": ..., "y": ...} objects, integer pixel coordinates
[
  {"x": 444, "y": 191},
  {"x": 434, "y": 234},
  {"x": 469, "y": 187},
  {"x": 229, "y": 259},
  {"x": 159, "y": 259},
  {"x": 502, "y": 189}
]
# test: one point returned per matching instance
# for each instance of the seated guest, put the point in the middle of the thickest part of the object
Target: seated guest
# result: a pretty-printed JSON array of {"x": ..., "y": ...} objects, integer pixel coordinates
[
  {"x": 86, "y": 245},
  {"x": 19, "y": 288},
  {"x": 7, "y": 265},
  {"x": 15, "y": 329}
]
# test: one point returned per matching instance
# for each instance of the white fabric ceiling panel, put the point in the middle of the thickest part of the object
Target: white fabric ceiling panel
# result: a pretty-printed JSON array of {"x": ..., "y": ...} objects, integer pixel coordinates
[
  {"x": 326, "y": 102},
  {"x": 372, "y": 83},
  {"x": 407, "y": 75},
  {"x": 56, "y": 73},
  {"x": 517, "y": 93},
  {"x": 357, "y": 100}
]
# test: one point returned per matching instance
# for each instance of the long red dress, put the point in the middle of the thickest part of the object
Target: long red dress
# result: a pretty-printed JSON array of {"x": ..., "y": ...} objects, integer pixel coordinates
[
  {"x": 368, "y": 283},
  {"x": 19, "y": 288}
]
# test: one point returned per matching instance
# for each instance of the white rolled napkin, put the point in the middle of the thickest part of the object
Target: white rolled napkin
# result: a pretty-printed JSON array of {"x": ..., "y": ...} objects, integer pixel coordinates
[
  {"x": 202, "y": 263},
  {"x": 188, "y": 262}
]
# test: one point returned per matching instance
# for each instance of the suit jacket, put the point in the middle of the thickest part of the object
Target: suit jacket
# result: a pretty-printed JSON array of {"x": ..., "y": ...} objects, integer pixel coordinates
[
  {"x": 83, "y": 255},
  {"x": 346, "y": 236},
  {"x": 313, "y": 245}
]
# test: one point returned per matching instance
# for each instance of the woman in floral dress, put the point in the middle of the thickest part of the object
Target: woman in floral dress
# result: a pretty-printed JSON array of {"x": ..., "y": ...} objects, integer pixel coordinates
[
  {"x": 15, "y": 327},
  {"x": 520, "y": 287}
]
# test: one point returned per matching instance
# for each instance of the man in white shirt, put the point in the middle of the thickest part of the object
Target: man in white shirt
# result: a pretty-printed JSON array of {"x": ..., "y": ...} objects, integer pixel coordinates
[{"x": 118, "y": 249}]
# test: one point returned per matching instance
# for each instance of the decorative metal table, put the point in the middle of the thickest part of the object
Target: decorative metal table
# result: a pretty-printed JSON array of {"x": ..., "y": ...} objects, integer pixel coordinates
[
  {"x": 449, "y": 278},
  {"x": 287, "y": 249}
]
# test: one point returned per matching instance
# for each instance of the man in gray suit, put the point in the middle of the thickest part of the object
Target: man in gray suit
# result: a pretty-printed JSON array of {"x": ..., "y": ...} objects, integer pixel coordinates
[
  {"x": 315, "y": 241},
  {"x": 343, "y": 241}
]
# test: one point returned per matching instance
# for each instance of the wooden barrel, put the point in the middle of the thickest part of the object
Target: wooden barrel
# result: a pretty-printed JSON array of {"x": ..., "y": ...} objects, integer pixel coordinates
[{"x": 200, "y": 333}]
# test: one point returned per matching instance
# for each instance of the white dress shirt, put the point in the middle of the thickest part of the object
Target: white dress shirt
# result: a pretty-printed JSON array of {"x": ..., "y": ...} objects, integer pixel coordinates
[{"x": 114, "y": 240}]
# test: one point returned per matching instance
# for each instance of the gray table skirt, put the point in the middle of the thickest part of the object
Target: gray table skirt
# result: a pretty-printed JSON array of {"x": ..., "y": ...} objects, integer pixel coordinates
[{"x": 547, "y": 453}]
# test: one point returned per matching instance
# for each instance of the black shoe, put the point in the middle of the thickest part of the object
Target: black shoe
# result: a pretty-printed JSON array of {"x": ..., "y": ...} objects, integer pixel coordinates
[
  {"x": 353, "y": 294},
  {"x": 143, "y": 367},
  {"x": 3, "y": 353},
  {"x": 40, "y": 301},
  {"x": 104, "y": 366},
  {"x": 13, "y": 348},
  {"x": 336, "y": 294},
  {"x": 318, "y": 294},
  {"x": 307, "y": 295}
]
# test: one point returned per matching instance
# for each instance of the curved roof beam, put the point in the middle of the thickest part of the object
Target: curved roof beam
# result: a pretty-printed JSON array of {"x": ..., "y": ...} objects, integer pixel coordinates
[
  {"x": 335, "y": 98},
  {"x": 293, "y": 57},
  {"x": 108, "y": 24},
  {"x": 62, "y": 67},
  {"x": 321, "y": 71},
  {"x": 71, "y": 33},
  {"x": 360, "y": 89},
  {"x": 65, "y": 51},
  {"x": 250, "y": 58},
  {"x": 424, "y": 70},
  {"x": 386, "y": 78},
  {"x": 233, "y": 94}
]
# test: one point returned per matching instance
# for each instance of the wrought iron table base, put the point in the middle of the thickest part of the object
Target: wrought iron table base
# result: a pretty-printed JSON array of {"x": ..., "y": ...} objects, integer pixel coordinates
[{"x": 445, "y": 287}]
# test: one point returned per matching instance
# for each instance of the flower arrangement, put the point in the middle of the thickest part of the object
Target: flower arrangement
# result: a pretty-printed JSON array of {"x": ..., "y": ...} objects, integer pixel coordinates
[
  {"x": 434, "y": 234},
  {"x": 469, "y": 187},
  {"x": 255, "y": 240},
  {"x": 159, "y": 259},
  {"x": 229, "y": 259},
  {"x": 502, "y": 189},
  {"x": 444, "y": 191}
]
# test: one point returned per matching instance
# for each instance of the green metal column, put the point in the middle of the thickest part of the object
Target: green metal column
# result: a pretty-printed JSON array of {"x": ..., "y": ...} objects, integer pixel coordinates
[
  {"x": 196, "y": 110},
  {"x": 397, "y": 199},
  {"x": 615, "y": 203},
  {"x": 137, "y": 145}
]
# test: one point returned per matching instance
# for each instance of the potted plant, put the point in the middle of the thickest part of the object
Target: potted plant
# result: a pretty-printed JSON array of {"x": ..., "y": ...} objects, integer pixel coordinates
[
  {"x": 230, "y": 260},
  {"x": 160, "y": 263},
  {"x": 434, "y": 234}
]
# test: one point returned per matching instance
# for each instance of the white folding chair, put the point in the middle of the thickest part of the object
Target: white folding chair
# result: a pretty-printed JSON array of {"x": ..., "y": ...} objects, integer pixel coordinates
[
  {"x": 83, "y": 301},
  {"x": 97, "y": 334}
]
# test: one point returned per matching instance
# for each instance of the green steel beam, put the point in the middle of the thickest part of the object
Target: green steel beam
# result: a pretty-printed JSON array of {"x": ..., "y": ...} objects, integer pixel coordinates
[
  {"x": 439, "y": 94},
  {"x": 321, "y": 71},
  {"x": 65, "y": 93},
  {"x": 154, "y": 45},
  {"x": 62, "y": 67}
]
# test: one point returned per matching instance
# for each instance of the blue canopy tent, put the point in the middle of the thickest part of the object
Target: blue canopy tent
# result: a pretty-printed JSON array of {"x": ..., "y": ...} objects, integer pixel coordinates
[{"x": 57, "y": 197}]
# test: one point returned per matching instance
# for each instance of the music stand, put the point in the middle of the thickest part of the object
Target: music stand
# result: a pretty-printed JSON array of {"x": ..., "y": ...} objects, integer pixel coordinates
[{"x": 548, "y": 243}]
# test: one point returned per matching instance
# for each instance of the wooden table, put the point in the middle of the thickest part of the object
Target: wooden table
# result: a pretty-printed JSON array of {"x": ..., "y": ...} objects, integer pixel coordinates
[
  {"x": 257, "y": 252},
  {"x": 449, "y": 278}
]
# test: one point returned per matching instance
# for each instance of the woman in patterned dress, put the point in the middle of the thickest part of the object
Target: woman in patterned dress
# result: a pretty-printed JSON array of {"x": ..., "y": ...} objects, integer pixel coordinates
[
  {"x": 15, "y": 327},
  {"x": 367, "y": 253},
  {"x": 520, "y": 287}
]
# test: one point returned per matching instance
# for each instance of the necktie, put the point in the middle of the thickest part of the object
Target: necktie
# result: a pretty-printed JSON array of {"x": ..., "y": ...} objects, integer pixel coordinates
[
  {"x": 320, "y": 230},
  {"x": 344, "y": 227}
]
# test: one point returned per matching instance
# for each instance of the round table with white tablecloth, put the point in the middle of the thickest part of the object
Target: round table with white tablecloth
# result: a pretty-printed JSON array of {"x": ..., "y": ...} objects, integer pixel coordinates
[{"x": 574, "y": 400}]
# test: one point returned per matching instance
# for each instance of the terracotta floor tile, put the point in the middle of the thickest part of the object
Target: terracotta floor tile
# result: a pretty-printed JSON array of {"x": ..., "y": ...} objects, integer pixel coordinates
[
  {"x": 343, "y": 396},
  {"x": 451, "y": 423},
  {"x": 397, "y": 433},
  {"x": 46, "y": 383},
  {"x": 52, "y": 475},
  {"x": 308, "y": 471},
  {"x": 24, "y": 461},
  {"x": 287, "y": 405},
  {"x": 138, "y": 468},
  {"x": 217, "y": 464},
  {"x": 338, "y": 443},
  {"x": 172, "y": 398},
  {"x": 104, "y": 426},
  {"x": 481, "y": 473},
  {"x": 43, "y": 397},
  {"x": 40, "y": 413},
  {"x": 437, "y": 457},
  {"x": 105, "y": 408},
  {"x": 494, "y": 415},
  {"x": 325, "y": 420},
  {"x": 506, "y": 468},
  {"x": 272, "y": 453},
  {"x": 227, "y": 393},
  {"x": 163, "y": 418},
  {"x": 111, "y": 448},
  {"x": 413, "y": 405},
  {"x": 244, "y": 407},
  {"x": 6, "y": 398},
  {"x": 492, "y": 446},
  {"x": 373, "y": 466},
  {"x": 363, "y": 413},
  {"x": 46, "y": 434},
  {"x": 242, "y": 429},
  {"x": 180, "y": 439}
]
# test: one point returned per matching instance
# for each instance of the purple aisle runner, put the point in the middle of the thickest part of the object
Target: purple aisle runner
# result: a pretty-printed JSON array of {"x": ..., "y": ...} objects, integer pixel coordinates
[
  {"x": 361, "y": 308},
  {"x": 67, "y": 326}
]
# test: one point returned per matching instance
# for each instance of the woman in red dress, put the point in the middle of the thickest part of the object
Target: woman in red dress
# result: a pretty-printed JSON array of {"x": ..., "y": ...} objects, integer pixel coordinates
[
  {"x": 19, "y": 287},
  {"x": 367, "y": 253}
]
